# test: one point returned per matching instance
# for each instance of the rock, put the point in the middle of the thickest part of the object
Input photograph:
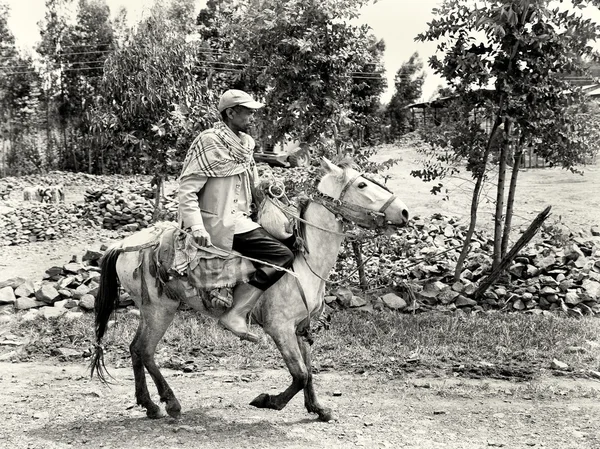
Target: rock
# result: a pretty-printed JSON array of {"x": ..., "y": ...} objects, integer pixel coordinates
[
  {"x": 26, "y": 303},
  {"x": 356, "y": 301},
  {"x": 92, "y": 257},
  {"x": 72, "y": 315},
  {"x": 572, "y": 251},
  {"x": 47, "y": 293},
  {"x": 592, "y": 288},
  {"x": 394, "y": 302},
  {"x": 53, "y": 272},
  {"x": 458, "y": 286},
  {"x": 433, "y": 289},
  {"x": 68, "y": 352},
  {"x": 87, "y": 302},
  {"x": 463, "y": 301},
  {"x": 595, "y": 230},
  {"x": 470, "y": 288},
  {"x": 25, "y": 289},
  {"x": 52, "y": 312},
  {"x": 344, "y": 295},
  {"x": 30, "y": 315},
  {"x": 329, "y": 299},
  {"x": 447, "y": 296},
  {"x": 548, "y": 281},
  {"x": 65, "y": 293},
  {"x": 558, "y": 365},
  {"x": 500, "y": 292},
  {"x": 544, "y": 262},
  {"x": 80, "y": 291},
  {"x": 573, "y": 298},
  {"x": 65, "y": 282},
  {"x": 132, "y": 227},
  {"x": 12, "y": 283},
  {"x": 531, "y": 271},
  {"x": 73, "y": 267},
  {"x": 7, "y": 295},
  {"x": 519, "y": 305}
]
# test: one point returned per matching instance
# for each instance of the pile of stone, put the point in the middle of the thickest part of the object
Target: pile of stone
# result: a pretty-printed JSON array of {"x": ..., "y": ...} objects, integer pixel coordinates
[
  {"x": 555, "y": 272},
  {"x": 68, "y": 290},
  {"x": 36, "y": 222},
  {"x": 120, "y": 208}
]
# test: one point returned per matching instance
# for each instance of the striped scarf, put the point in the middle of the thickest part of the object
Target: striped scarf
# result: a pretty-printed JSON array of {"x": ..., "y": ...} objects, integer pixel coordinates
[{"x": 218, "y": 153}]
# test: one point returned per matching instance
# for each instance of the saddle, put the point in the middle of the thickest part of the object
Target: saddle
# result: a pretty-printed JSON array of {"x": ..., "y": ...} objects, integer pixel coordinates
[{"x": 174, "y": 261}]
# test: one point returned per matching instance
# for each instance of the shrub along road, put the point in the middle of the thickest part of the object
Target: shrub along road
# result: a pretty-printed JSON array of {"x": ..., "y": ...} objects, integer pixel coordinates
[{"x": 57, "y": 406}]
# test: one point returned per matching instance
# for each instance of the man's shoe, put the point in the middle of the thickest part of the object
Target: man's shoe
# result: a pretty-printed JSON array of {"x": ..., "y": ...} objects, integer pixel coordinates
[{"x": 234, "y": 320}]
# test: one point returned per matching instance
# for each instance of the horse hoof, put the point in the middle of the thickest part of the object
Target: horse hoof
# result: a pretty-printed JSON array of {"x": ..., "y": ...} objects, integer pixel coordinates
[
  {"x": 327, "y": 415},
  {"x": 155, "y": 413},
  {"x": 174, "y": 411},
  {"x": 261, "y": 401}
]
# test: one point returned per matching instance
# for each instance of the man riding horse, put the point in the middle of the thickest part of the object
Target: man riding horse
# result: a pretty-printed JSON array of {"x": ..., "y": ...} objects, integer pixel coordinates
[{"x": 215, "y": 195}]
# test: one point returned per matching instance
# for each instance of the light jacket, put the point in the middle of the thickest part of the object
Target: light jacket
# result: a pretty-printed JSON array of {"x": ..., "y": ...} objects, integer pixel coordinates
[{"x": 219, "y": 205}]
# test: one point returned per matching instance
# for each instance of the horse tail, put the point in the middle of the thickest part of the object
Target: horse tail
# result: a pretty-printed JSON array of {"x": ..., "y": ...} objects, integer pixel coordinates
[{"x": 107, "y": 301}]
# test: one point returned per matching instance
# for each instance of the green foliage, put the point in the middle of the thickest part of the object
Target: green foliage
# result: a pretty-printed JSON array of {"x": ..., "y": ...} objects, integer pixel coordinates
[
  {"x": 303, "y": 55},
  {"x": 524, "y": 49},
  {"x": 408, "y": 84},
  {"x": 19, "y": 106},
  {"x": 154, "y": 99},
  {"x": 74, "y": 54}
]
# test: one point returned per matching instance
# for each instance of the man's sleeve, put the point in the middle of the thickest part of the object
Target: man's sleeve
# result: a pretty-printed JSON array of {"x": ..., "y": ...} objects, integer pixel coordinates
[{"x": 189, "y": 211}]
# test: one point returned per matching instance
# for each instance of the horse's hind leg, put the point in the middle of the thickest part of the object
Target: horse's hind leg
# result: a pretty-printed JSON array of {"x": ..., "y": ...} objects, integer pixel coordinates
[
  {"x": 142, "y": 394},
  {"x": 288, "y": 346},
  {"x": 310, "y": 397},
  {"x": 156, "y": 318}
]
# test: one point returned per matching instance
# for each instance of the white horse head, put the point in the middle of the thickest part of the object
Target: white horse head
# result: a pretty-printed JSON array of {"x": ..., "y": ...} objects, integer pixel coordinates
[{"x": 362, "y": 195}]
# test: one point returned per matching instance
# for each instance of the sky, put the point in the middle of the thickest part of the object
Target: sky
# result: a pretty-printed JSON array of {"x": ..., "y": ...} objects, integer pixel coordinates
[{"x": 397, "y": 22}]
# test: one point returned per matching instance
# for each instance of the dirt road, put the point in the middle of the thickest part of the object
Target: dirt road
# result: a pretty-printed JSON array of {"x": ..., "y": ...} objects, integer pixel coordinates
[{"x": 57, "y": 406}]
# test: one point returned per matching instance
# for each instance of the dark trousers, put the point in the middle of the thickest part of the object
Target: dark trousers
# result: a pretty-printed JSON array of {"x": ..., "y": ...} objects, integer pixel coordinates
[{"x": 261, "y": 245}]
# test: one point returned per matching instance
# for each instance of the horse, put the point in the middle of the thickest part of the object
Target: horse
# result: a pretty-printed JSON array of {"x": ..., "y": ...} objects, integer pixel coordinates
[{"x": 283, "y": 311}]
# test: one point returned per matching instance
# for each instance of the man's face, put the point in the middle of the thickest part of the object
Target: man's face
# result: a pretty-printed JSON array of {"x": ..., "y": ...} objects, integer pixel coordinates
[{"x": 240, "y": 118}]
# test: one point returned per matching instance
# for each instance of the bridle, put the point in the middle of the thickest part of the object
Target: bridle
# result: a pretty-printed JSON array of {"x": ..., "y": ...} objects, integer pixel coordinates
[
  {"x": 353, "y": 213},
  {"x": 344, "y": 211}
]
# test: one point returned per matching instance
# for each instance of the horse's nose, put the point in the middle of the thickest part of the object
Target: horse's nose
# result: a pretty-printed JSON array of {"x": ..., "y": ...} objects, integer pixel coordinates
[{"x": 405, "y": 215}]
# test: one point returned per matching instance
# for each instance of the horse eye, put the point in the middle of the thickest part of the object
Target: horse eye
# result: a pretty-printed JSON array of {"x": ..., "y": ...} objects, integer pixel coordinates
[{"x": 362, "y": 185}]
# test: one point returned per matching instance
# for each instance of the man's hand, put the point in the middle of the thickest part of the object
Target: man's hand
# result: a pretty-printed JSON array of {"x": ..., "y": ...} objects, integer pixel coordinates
[{"x": 201, "y": 237}]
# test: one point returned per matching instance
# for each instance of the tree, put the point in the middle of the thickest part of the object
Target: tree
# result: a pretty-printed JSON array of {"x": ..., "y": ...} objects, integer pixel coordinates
[
  {"x": 367, "y": 86},
  {"x": 154, "y": 101},
  {"x": 524, "y": 48},
  {"x": 222, "y": 69},
  {"x": 19, "y": 106},
  {"x": 408, "y": 84},
  {"x": 302, "y": 56},
  {"x": 75, "y": 54}
]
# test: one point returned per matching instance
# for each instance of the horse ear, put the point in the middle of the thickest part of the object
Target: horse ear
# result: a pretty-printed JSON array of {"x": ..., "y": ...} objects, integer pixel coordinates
[{"x": 328, "y": 165}]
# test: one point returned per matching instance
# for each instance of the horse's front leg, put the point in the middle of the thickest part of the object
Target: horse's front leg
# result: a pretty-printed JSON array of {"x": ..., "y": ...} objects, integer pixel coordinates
[
  {"x": 287, "y": 344},
  {"x": 310, "y": 397}
]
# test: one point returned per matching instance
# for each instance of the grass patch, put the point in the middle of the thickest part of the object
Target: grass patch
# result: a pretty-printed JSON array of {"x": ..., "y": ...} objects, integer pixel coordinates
[{"x": 355, "y": 342}]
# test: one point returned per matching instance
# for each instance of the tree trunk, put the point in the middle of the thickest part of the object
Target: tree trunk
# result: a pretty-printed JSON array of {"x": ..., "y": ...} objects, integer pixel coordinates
[
  {"x": 525, "y": 238},
  {"x": 475, "y": 198},
  {"x": 497, "y": 257},
  {"x": 510, "y": 202},
  {"x": 159, "y": 181},
  {"x": 358, "y": 257}
]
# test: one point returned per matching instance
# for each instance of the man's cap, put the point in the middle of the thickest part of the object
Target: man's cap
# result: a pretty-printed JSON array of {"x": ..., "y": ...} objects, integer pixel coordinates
[{"x": 234, "y": 97}]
